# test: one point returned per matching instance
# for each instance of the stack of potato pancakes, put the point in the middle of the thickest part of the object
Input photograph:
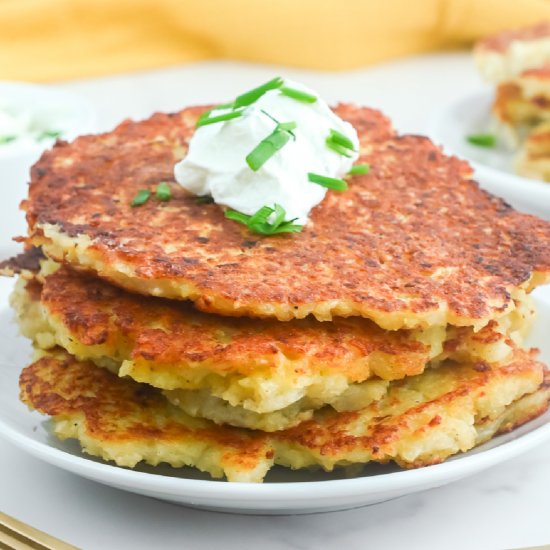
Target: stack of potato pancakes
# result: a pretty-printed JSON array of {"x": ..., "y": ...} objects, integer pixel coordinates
[
  {"x": 389, "y": 329},
  {"x": 517, "y": 63}
]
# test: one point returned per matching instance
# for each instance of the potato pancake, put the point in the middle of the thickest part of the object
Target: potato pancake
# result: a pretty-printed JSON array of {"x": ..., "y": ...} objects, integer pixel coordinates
[
  {"x": 256, "y": 374},
  {"x": 505, "y": 54},
  {"x": 414, "y": 243},
  {"x": 423, "y": 419}
]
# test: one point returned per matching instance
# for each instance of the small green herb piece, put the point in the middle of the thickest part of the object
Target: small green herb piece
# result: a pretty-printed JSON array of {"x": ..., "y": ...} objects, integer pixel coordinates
[
  {"x": 325, "y": 181},
  {"x": 298, "y": 95},
  {"x": 259, "y": 221},
  {"x": 482, "y": 140},
  {"x": 339, "y": 143},
  {"x": 163, "y": 192},
  {"x": 338, "y": 148},
  {"x": 220, "y": 118},
  {"x": 207, "y": 113},
  {"x": 288, "y": 126},
  {"x": 270, "y": 145},
  {"x": 142, "y": 196},
  {"x": 204, "y": 199},
  {"x": 237, "y": 216},
  {"x": 7, "y": 139},
  {"x": 359, "y": 169},
  {"x": 253, "y": 95},
  {"x": 339, "y": 138},
  {"x": 49, "y": 134}
]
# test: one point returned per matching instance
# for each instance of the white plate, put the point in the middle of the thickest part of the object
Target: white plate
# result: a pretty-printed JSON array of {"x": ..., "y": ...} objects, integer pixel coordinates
[
  {"x": 70, "y": 113},
  {"x": 471, "y": 114},
  {"x": 284, "y": 492}
]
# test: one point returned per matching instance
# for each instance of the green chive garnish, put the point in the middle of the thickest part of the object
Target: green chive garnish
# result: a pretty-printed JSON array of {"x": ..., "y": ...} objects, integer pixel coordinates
[
  {"x": 338, "y": 148},
  {"x": 259, "y": 221},
  {"x": 359, "y": 169},
  {"x": 339, "y": 143},
  {"x": 288, "y": 126},
  {"x": 298, "y": 95},
  {"x": 341, "y": 139},
  {"x": 49, "y": 134},
  {"x": 220, "y": 118},
  {"x": 7, "y": 139},
  {"x": 237, "y": 216},
  {"x": 325, "y": 181},
  {"x": 163, "y": 192},
  {"x": 253, "y": 95},
  {"x": 141, "y": 197},
  {"x": 482, "y": 140},
  {"x": 207, "y": 113},
  {"x": 270, "y": 145}
]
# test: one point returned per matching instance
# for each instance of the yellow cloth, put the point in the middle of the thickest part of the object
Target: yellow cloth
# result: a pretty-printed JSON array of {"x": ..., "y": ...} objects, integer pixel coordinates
[{"x": 46, "y": 40}]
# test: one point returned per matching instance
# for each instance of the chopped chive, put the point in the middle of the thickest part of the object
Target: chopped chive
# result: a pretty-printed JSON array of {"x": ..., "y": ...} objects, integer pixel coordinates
[
  {"x": 482, "y": 140},
  {"x": 7, "y": 139},
  {"x": 359, "y": 169},
  {"x": 338, "y": 148},
  {"x": 206, "y": 113},
  {"x": 219, "y": 118},
  {"x": 204, "y": 199},
  {"x": 253, "y": 95},
  {"x": 141, "y": 197},
  {"x": 339, "y": 143},
  {"x": 237, "y": 216},
  {"x": 259, "y": 223},
  {"x": 325, "y": 181},
  {"x": 341, "y": 139},
  {"x": 270, "y": 145},
  {"x": 49, "y": 134},
  {"x": 163, "y": 192},
  {"x": 260, "y": 216},
  {"x": 279, "y": 217},
  {"x": 288, "y": 126},
  {"x": 287, "y": 227},
  {"x": 298, "y": 95}
]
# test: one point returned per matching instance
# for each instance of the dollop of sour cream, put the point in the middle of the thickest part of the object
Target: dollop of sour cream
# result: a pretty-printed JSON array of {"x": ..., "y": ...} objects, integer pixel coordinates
[{"x": 216, "y": 164}]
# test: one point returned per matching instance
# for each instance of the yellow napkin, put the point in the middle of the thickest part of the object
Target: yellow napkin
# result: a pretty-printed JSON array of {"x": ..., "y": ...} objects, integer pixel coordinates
[{"x": 45, "y": 40}]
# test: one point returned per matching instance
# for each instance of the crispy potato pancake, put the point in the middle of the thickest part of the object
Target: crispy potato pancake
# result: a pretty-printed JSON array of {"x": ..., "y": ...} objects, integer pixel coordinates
[
  {"x": 524, "y": 100},
  {"x": 533, "y": 159},
  {"x": 128, "y": 422},
  {"x": 506, "y": 54},
  {"x": 27, "y": 263},
  {"x": 414, "y": 243},
  {"x": 257, "y": 374},
  {"x": 423, "y": 419}
]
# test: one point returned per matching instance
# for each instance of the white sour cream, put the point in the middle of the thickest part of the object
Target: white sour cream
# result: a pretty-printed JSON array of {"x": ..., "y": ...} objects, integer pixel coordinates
[{"x": 216, "y": 164}]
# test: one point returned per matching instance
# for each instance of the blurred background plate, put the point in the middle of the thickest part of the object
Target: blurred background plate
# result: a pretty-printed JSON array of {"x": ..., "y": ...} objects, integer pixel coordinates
[
  {"x": 471, "y": 114},
  {"x": 47, "y": 107}
]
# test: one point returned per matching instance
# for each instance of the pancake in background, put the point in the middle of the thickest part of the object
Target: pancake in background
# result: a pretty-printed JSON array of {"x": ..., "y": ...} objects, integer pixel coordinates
[{"x": 506, "y": 54}]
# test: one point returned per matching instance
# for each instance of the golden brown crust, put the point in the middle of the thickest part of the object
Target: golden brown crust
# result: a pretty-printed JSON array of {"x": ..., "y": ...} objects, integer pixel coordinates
[
  {"x": 333, "y": 436},
  {"x": 537, "y": 73},
  {"x": 524, "y": 100},
  {"x": 501, "y": 41},
  {"x": 174, "y": 335},
  {"x": 413, "y": 243},
  {"x": 28, "y": 261},
  {"x": 422, "y": 421},
  {"x": 122, "y": 411}
]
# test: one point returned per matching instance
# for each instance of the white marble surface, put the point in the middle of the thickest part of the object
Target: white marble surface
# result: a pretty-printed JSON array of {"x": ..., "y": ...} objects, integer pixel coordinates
[{"x": 506, "y": 507}]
